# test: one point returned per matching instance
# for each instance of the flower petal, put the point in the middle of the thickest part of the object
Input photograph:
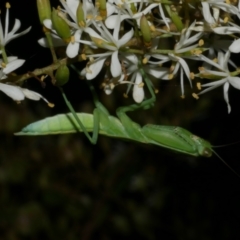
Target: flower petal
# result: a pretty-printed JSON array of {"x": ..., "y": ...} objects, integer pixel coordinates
[
  {"x": 125, "y": 38},
  {"x": 95, "y": 68},
  {"x": 207, "y": 13},
  {"x": 235, "y": 82},
  {"x": 73, "y": 48},
  {"x": 71, "y": 8},
  {"x": 235, "y": 46},
  {"x": 33, "y": 95},
  {"x": 225, "y": 93},
  {"x": 110, "y": 22},
  {"x": 116, "y": 68},
  {"x": 138, "y": 92},
  {"x": 48, "y": 23},
  {"x": 11, "y": 66},
  {"x": 161, "y": 73},
  {"x": 57, "y": 42},
  {"x": 12, "y": 91}
]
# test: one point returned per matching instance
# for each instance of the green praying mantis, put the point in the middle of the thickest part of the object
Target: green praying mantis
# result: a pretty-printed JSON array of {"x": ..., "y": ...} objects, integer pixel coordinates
[{"x": 101, "y": 122}]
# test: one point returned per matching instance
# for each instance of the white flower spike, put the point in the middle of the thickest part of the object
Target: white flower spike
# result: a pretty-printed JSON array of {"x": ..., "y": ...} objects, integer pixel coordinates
[
  {"x": 18, "y": 94},
  {"x": 5, "y": 36},
  {"x": 223, "y": 73},
  {"x": 111, "y": 43}
]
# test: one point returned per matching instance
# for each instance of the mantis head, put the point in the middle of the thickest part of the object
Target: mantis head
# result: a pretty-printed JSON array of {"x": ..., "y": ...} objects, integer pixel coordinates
[{"x": 204, "y": 147}]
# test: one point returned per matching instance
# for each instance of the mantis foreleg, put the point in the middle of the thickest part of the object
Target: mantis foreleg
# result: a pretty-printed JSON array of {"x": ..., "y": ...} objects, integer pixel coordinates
[{"x": 132, "y": 128}]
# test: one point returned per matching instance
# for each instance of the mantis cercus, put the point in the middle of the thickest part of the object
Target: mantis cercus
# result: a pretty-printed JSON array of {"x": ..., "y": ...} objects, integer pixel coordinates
[{"x": 101, "y": 122}]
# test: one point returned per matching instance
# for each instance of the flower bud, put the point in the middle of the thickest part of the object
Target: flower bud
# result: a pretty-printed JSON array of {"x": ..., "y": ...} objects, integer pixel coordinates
[
  {"x": 102, "y": 8},
  {"x": 145, "y": 29},
  {"x": 80, "y": 15},
  {"x": 133, "y": 8},
  {"x": 44, "y": 10},
  {"x": 61, "y": 27},
  {"x": 62, "y": 75}
]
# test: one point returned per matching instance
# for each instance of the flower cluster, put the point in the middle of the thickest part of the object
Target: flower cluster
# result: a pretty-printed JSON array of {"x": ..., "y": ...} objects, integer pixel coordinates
[
  {"x": 10, "y": 64},
  {"x": 123, "y": 36}
]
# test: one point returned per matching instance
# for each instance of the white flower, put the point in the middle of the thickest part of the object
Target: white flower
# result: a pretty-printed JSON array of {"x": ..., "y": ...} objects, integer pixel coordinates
[
  {"x": 71, "y": 8},
  {"x": 227, "y": 30},
  {"x": 210, "y": 20},
  {"x": 177, "y": 56},
  {"x": 77, "y": 28},
  {"x": 13, "y": 64},
  {"x": 223, "y": 73},
  {"x": 223, "y": 5},
  {"x": 125, "y": 11},
  {"x": 132, "y": 71},
  {"x": 15, "y": 92},
  {"x": 18, "y": 94},
  {"x": 57, "y": 41},
  {"x": 133, "y": 76},
  {"x": 112, "y": 44},
  {"x": 5, "y": 36}
]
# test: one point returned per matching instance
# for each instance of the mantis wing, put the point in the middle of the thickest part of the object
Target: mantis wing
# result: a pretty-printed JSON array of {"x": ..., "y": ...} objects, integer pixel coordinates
[
  {"x": 66, "y": 123},
  {"x": 59, "y": 124}
]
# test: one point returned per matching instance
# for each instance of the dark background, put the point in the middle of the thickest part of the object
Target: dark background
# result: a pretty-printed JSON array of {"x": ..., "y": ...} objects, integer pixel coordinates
[{"x": 62, "y": 187}]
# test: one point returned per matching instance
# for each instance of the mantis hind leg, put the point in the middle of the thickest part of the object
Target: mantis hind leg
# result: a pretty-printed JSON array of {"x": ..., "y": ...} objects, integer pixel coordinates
[
  {"x": 96, "y": 101},
  {"x": 100, "y": 112},
  {"x": 96, "y": 112}
]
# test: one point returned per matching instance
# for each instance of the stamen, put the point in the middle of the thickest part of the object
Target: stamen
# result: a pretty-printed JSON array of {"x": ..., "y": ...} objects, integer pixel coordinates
[
  {"x": 88, "y": 70},
  {"x": 196, "y": 51},
  {"x": 199, "y": 86},
  {"x": 111, "y": 85},
  {"x": 195, "y": 96},
  {"x": 145, "y": 60},
  {"x": 152, "y": 28},
  {"x": 225, "y": 20},
  {"x": 201, "y": 42},
  {"x": 170, "y": 76},
  {"x": 82, "y": 24},
  {"x": 89, "y": 16},
  {"x": 172, "y": 68},
  {"x": 72, "y": 39},
  {"x": 98, "y": 18},
  {"x": 51, "y": 105},
  {"x": 8, "y": 5},
  {"x": 192, "y": 75},
  {"x": 3, "y": 64},
  {"x": 83, "y": 56}
]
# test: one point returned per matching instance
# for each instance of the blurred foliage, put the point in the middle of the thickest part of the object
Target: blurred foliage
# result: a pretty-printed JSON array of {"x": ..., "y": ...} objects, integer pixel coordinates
[{"x": 62, "y": 187}]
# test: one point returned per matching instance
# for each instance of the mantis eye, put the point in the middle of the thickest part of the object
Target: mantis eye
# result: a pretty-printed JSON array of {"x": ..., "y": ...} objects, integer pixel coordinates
[{"x": 207, "y": 152}]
